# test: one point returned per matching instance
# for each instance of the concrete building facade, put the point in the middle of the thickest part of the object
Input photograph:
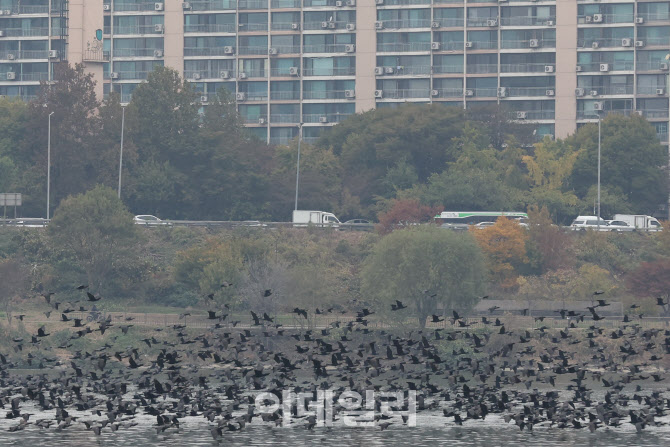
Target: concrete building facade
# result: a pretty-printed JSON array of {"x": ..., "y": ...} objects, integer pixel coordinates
[{"x": 312, "y": 63}]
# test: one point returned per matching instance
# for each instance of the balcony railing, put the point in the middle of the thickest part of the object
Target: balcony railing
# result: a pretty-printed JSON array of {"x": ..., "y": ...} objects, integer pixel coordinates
[
  {"x": 406, "y": 93},
  {"x": 287, "y": 49},
  {"x": 144, "y": 6},
  {"x": 256, "y": 96},
  {"x": 326, "y": 25},
  {"x": 651, "y": 90},
  {"x": 408, "y": 23},
  {"x": 340, "y": 71},
  {"x": 403, "y": 47},
  {"x": 446, "y": 22},
  {"x": 285, "y": 4},
  {"x": 124, "y": 75},
  {"x": 210, "y": 28},
  {"x": 285, "y": 26},
  {"x": 280, "y": 71},
  {"x": 212, "y": 5},
  {"x": 650, "y": 65},
  {"x": 253, "y": 50},
  {"x": 441, "y": 69},
  {"x": 528, "y": 91},
  {"x": 527, "y": 21},
  {"x": 330, "y": 117},
  {"x": 284, "y": 118},
  {"x": 482, "y": 68},
  {"x": 26, "y": 77},
  {"x": 525, "y": 68},
  {"x": 484, "y": 44},
  {"x": 452, "y": 45},
  {"x": 537, "y": 43},
  {"x": 30, "y": 9},
  {"x": 613, "y": 89},
  {"x": 606, "y": 18},
  {"x": 329, "y": 48},
  {"x": 137, "y": 29},
  {"x": 481, "y": 21},
  {"x": 253, "y": 26},
  {"x": 655, "y": 114},
  {"x": 253, "y": 4},
  {"x": 26, "y": 32},
  {"x": 405, "y": 2},
  {"x": 613, "y": 66},
  {"x": 655, "y": 40},
  {"x": 135, "y": 52},
  {"x": 602, "y": 42},
  {"x": 653, "y": 17},
  {"x": 448, "y": 2},
  {"x": 284, "y": 95},
  {"x": 206, "y": 74},
  {"x": 449, "y": 93},
  {"x": 324, "y": 94},
  {"x": 592, "y": 115},
  {"x": 96, "y": 56},
  {"x": 482, "y": 92},
  {"x": 260, "y": 73},
  {"x": 409, "y": 70},
  {"x": 23, "y": 54},
  {"x": 254, "y": 119},
  {"x": 207, "y": 51},
  {"x": 540, "y": 114}
]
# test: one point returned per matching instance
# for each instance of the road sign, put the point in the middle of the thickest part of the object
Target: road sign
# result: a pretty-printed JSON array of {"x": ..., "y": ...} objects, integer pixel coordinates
[{"x": 10, "y": 199}]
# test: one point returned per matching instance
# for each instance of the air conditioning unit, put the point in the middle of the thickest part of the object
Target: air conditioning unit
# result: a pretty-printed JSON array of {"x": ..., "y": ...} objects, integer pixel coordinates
[
  {"x": 579, "y": 92},
  {"x": 273, "y": 52},
  {"x": 435, "y": 45},
  {"x": 639, "y": 43},
  {"x": 664, "y": 66},
  {"x": 53, "y": 54},
  {"x": 331, "y": 25},
  {"x": 323, "y": 119},
  {"x": 598, "y": 106},
  {"x": 597, "y": 18},
  {"x": 639, "y": 20},
  {"x": 469, "y": 92},
  {"x": 435, "y": 24},
  {"x": 588, "y": 19},
  {"x": 604, "y": 67},
  {"x": 534, "y": 43},
  {"x": 492, "y": 22},
  {"x": 224, "y": 74},
  {"x": 550, "y": 92},
  {"x": 550, "y": 23},
  {"x": 228, "y": 50},
  {"x": 350, "y": 48},
  {"x": 195, "y": 76},
  {"x": 349, "y": 94},
  {"x": 593, "y": 93},
  {"x": 389, "y": 70},
  {"x": 339, "y": 3},
  {"x": 158, "y": 6},
  {"x": 351, "y": 2},
  {"x": 626, "y": 42},
  {"x": 660, "y": 91},
  {"x": 379, "y": 71},
  {"x": 595, "y": 45},
  {"x": 434, "y": 93},
  {"x": 548, "y": 68},
  {"x": 11, "y": 76},
  {"x": 203, "y": 98},
  {"x": 10, "y": 57},
  {"x": 186, "y": 6},
  {"x": 104, "y": 8},
  {"x": 578, "y": 68},
  {"x": 159, "y": 27},
  {"x": 242, "y": 75},
  {"x": 324, "y": 25},
  {"x": 158, "y": 53},
  {"x": 2, "y": 33},
  {"x": 241, "y": 96},
  {"x": 502, "y": 92},
  {"x": 113, "y": 75},
  {"x": 293, "y": 71},
  {"x": 295, "y": 26},
  {"x": 379, "y": 25},
  {"x": 469, "y": 44},
  {"x": 379, "y": 93},
  {"x": 262, "y": 120},
  {"x": 350, "y": 26},
  {"x": 521, "y": 115}
]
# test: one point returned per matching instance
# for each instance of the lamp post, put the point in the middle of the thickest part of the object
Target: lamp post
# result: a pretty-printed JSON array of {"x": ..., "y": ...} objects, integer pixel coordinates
[
  {"x": 49, "y": 166},
  {"x": 297, "y": 169},
  {"x": 599, "y": 121},
  {"x": 123, "y": 123}
]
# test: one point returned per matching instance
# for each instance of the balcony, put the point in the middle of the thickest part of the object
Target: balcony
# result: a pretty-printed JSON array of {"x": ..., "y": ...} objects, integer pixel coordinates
[
  {"x": 26, "y": 32},
  {"x": 31, "y": 9},
  {"x": 208, "y": 51},
  {"x": 449, "y": 2},
  {"x": 126, "y": 75},
  {"x": 25, "y": 77},
  {"x": 329, "y": 48},
  {"x": 403, "y": 47},
  {"x": 324, "y": 94},
  {"x": 484, "y": 45},
  {"x": 614, "y": 89},
  {"x": 443, "y": 69},
  {"x": 656, "y": 40},
  {"x": 408, "y": 93},
  {"x": 655, "y": 114},
  {"x": 605, "y": 19},
  {"x": 481, "y": 68},
  {"x": 446, "y": 22},
  {"x": 409, "y": 70},
  {"x": 603, "y": 42},
  {"x": 405, "y": 2},
  {"x": 96, "y": 56},
  {"x": 408, "y": 23},
  {"x": 329, "y": 117},
  {"x": 280, "y": 71},
  {"x": 253, "y": 50},
  {"x": 254, "y": 119},
  {"x": 481, "y": 21},
  {"x": 319, "y": 4},
  {"x": 23, "y": 54},
  {"x": 592, "y": 115},
  {"x": 253, "y": 26},
  {"x": 285, "y": 26},
  {"x": 654, "y": 17},
  {"x": 652, "y": 66},
  {"x": 213, "y": 5},
  {"x": 256, "y": 96},
  {"x": 338, "y": 71},
  {"x": 277, "y": 4},
  {"x": 194, "y": 75},
  {"x": 253, "y": 4},
  {"x": 325, "y": 25},
  {"x": 287, "y": 49},
  {"x": 137, "y": 29},
  {"x": 482, "y": 92},
  {"x": 284, "y": 118},
  {"x": 134, "y": 7},
  {"x": 525, "y": 68},
  {"x": 528, "y": 91},
  {"x": 135, "y": 52},
  {"x": 526, "y": 44},
  {"x": 285, "y": 95},
  {"x": 527, "y": 21},
  {"x": 648, "y": 90},
  {"x": 210, "y": 28},
  {"x": 449, "y": 93},
  {"x": 258, "y": 73},
  {"x": 540, "y": 114}
]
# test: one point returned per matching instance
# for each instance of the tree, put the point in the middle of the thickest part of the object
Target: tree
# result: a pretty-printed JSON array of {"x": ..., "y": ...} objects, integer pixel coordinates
[
  {"x": 652, "y": 279},
  {"x": 631, "y": 160},
  {"x": 505, "y": 245},
  {"x": 14, "y": 282},
  {"x": 448, "y": 266},
  {"x": 405, "y": 212},
  {"x": 550, "y": 245},
  {"x": 97, "y": 229}
]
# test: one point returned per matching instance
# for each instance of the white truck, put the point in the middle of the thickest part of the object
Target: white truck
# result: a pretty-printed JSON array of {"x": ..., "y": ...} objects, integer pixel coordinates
[
  {"x": 303, "y": 218},
  {"x": 640, "y": 221}
]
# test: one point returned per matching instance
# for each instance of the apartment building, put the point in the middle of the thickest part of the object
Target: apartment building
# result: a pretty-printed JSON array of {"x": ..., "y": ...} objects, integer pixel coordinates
[{"x": 312, "y": 63}]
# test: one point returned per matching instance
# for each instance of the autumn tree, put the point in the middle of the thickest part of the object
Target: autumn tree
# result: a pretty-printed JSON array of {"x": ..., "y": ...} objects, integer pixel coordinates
[
  {"x": 404, "y": 212},
  {"x": 548, "y": 244},
  {"x": 505, "y": 245},
  {"x": 652, "y": 280}
]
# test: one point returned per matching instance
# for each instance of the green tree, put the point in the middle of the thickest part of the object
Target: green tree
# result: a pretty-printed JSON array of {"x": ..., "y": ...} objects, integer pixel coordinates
[
  {"x": 404, "y": 264},
  {"x": 98, "y": 231},
  {"x": 631, "y": 161}
]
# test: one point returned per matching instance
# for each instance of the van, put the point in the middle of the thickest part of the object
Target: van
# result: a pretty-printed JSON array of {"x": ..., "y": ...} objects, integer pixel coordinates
[{"x": 582, "y": 223}]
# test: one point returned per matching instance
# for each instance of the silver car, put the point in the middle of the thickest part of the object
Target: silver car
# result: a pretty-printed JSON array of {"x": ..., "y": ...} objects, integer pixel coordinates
[
  {"x": 147, "y": 219},
  {"x": 619, "y": 225}
]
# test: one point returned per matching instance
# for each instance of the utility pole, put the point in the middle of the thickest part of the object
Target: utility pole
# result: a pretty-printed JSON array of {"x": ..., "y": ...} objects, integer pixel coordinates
[
  {"x": 49, "y": 166},
  {"x": 297, "y": 169},
  {"x": 123, "y": 123}
]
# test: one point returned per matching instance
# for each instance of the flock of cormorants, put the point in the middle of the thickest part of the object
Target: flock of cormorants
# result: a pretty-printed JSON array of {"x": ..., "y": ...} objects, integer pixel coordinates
[{"x": 576, "y": 377}]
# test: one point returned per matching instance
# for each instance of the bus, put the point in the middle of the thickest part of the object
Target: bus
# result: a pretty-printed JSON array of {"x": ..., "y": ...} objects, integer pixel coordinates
[{"x": 461, "y": 220}]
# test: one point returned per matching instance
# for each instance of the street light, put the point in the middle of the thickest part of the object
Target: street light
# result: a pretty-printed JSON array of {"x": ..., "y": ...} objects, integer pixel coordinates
[
  {"x": 49, "y": 165},
  {"x": 297, "y": 169},
  {"x": 599, "y": 121},
  {"x": 123, "y": 124}
]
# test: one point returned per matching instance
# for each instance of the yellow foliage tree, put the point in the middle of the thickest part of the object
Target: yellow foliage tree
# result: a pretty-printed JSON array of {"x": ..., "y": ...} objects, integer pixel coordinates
[{"x": 505, "y": 246}]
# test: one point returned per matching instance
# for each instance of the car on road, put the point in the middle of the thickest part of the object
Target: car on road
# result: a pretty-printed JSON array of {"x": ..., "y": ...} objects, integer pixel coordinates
[
  {"x": 148, "y": 219},
  {"x": 250, "y": 223},
  {"x": 482, "y": 225},
  {"x": 583, "y": 223},
  {"x": 619, "y": 225},
  {"x": 358, "y": 224},
  {"x": 31, "y": 222}
]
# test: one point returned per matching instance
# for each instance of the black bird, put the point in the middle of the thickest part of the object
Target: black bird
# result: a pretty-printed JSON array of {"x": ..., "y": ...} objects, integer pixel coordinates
[
  {"x": 92, "y": 297},
  {"x": 82, "y": 287},
  {"x": 436, "y": 319},
  {"x": 598, "y": 292},
  {"x": 267, "y": 293},
  {"x": 398, "y": 306},
  {"x": 211, "y": 315},
  {"x": 299, "y": 312},
  {"x": 41, "y": 332}
]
